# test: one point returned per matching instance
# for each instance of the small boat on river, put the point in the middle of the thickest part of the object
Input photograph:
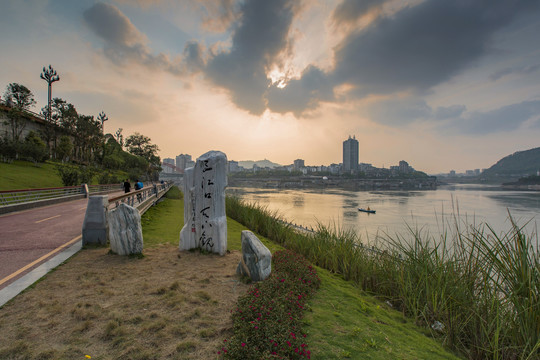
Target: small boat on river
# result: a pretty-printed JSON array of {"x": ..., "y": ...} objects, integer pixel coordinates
[{"x": 368, "y": 210}]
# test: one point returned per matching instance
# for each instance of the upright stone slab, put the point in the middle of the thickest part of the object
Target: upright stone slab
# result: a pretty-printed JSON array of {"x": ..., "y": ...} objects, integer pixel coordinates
[
  {"x": 95, "y": 227},
  {"x": 125, "y": 230},
  {"x": 256, "y": 258},
  {"x": 187, "y": 234},
  {"x": 205, "y": 222}
]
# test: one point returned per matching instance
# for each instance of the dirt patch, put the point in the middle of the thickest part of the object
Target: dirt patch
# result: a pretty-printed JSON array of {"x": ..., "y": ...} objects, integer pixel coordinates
[{"x": 169, "y": 304}]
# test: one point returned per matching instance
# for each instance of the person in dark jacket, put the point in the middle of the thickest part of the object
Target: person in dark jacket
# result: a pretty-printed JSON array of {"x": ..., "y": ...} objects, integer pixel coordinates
[{"x": 127, "y": 186}]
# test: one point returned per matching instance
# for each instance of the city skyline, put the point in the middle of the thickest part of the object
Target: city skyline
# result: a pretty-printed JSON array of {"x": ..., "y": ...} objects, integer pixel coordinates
[{"x": 443, "y": 85}]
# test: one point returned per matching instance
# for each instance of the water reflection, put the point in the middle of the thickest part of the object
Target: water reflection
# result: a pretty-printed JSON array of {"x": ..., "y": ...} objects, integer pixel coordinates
[
  {"x": 396, "y": 209},
  {"x": 298, "y": 200}
]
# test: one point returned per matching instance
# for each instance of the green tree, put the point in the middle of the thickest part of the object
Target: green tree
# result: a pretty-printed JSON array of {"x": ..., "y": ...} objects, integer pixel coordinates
[
  {"x": 20, "y": 99},
  {"x": 66, "y": 114},
  {"x": 19, "y": 96},
  {"x": 141, "y": 145},
  {"x": 64, "y": 149},
  {"x": 34, "y": 148},
  {"x": 88, "y": 139}
]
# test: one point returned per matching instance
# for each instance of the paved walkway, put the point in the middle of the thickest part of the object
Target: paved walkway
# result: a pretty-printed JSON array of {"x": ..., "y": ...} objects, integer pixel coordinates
[{"x": 34, "y": 241}]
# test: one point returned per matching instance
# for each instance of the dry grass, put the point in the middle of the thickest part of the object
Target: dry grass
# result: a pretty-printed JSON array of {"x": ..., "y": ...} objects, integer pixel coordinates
[{"x": 167, "y": 305}]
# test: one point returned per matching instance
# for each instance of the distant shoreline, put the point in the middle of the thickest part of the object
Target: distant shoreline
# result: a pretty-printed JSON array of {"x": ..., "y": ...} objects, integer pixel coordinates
[{"x": 343, "y": 183}]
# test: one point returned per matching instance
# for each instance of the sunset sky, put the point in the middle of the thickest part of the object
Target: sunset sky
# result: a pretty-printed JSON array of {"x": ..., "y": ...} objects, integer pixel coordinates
[{"x": 441, "y": 84}]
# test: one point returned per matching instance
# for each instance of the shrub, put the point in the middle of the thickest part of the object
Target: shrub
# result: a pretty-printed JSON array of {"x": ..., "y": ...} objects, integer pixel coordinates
[
  {"x": 68, "y": 174},
  {"x": 34, "y": 148},
  {"x": 267, "y": 320}
]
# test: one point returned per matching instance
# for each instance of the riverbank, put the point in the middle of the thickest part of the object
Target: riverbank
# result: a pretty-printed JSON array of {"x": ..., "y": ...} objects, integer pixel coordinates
[
  {"x": 479, "y": 290},
  {"x": 177, "y": 305}
]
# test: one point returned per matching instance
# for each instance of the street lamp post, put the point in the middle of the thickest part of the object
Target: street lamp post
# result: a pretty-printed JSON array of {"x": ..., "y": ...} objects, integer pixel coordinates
[
  {"x": 102, "y": 117},
  {"x": 50, "y": 76}
]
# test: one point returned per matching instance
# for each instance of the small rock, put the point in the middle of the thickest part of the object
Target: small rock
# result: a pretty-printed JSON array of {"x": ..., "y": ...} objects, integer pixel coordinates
[
  {"x": 256, "y": 258},
  {"x": 438, "y": 326}
]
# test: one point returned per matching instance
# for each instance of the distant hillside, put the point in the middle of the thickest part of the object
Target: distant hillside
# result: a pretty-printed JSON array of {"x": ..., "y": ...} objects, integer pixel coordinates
[
  {"x": 248, "y": 164},
  {"x": 521, "y": 163}
]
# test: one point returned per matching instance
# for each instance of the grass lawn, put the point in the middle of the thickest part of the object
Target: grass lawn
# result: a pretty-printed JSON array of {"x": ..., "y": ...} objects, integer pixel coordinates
[
  {"x": 345, "y": 323},
  {"x": 25, "y": 175}
]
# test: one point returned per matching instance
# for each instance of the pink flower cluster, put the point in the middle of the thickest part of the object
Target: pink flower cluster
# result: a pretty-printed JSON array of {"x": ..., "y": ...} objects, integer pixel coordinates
[{"x": 267, "y": 322}]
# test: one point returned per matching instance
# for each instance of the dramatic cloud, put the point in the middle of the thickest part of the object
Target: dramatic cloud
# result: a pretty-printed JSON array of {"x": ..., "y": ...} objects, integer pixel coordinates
[
  {"x": 260, "y": 38},
  {"x": 421, "y": 46},
  {"x": 113, "y": 26},
  {"x": 220, "y": 14},
  {"x": 450, "y": 112},
  {"x": 408, "y": 52},
  {"x": 453, "y": 119},
  {"x": 194, "y": 56},
  {"x": 301, "y": 94},
  {"x": 416, "y": 48},
  {"x": 350, "y": 10},
  {"x": 399, "y": 111},
  {"x": 520, "y": 70},
  {"x": 506, "y": 118},
  {"x": 124, "y": 42}
]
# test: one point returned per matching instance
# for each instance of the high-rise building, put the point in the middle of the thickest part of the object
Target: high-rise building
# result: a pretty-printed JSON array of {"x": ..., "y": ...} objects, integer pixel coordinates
[
  {"x": 350, "y": 155},
  {"x": 166, "y": 168},
  {"x": 299, "y": 164},
  {"x": 183, "y": 161}
]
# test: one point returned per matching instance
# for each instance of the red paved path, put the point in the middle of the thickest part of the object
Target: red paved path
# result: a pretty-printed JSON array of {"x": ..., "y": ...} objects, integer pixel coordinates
[{"x": 27, "y": 235}]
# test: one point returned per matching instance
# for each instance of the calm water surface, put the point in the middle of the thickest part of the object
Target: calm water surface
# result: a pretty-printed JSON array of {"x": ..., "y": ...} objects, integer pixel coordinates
[{"x": 422, "y": 209}]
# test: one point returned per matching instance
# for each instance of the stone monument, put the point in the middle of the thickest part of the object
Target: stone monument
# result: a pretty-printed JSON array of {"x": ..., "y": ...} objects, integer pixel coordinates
[
  {"x": 125, "y": 230},
  {"x": 256, "y": 259},
  {"x": 95, "y": 226},
  {"x": 205, "y": 222}
]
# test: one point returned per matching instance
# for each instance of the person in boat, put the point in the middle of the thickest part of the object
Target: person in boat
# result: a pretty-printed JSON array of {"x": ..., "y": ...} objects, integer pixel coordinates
[{"x": 368, "y": 209}]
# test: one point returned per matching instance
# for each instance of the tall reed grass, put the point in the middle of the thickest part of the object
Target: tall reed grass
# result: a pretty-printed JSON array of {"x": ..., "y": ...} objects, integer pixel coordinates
[{"x": 476, "y": 289}]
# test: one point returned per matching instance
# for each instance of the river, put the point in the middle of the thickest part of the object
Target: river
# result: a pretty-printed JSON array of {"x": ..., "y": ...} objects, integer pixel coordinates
[{"x": 395, "y": 210}]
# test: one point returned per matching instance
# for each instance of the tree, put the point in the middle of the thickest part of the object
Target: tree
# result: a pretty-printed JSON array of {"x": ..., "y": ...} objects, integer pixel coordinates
[
  {"x": 119, "y": 137},
  {"x": 64, "y": 149},
  {"x": 34, "y": 148},
  {"x": 65, "y": 114},
  {"x": 89, "y": 138},
  {"x": 140, "y": 145},
  {"x": 19, "y": 98}
]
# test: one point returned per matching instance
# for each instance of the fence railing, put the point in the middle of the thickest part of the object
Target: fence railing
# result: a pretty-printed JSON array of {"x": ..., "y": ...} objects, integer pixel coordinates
[
  {"x": 141, "y": 199},
  {"x": 10, "y": 197},
  {"x": 16, "y": 200}
]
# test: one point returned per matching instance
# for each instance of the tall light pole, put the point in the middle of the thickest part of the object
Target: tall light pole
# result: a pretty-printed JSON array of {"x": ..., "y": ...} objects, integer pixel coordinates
[
  {"x": 50, "y": 76},
  {"x": 102, "y": 117}
]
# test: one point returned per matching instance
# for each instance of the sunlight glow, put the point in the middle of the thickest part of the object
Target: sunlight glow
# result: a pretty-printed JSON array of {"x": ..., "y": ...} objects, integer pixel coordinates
[{"x": 278, "y": 77}]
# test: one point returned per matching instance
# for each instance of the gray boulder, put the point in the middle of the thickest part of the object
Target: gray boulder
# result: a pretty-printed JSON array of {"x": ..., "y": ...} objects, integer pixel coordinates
[
  {"x": 94, "y": 230},
  {"x": 256, "y": 258},
  {"x": 125, "y": 230}
]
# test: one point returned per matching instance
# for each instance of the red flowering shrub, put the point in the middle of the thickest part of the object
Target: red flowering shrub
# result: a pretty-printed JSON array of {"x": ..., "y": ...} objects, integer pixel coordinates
[{"x": 266, "y": 321}]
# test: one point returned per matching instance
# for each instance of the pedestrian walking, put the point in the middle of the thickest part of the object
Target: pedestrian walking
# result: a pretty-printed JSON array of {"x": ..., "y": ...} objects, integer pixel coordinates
[{"x": 127, "y": 186}]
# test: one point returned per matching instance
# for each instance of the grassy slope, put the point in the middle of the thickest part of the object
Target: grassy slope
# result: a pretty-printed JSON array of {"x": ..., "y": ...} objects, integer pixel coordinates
[
  {"x": 25, "y": 175},
  {"x": 343, "y": 322},
  {"x": 364, "y": 327}
]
